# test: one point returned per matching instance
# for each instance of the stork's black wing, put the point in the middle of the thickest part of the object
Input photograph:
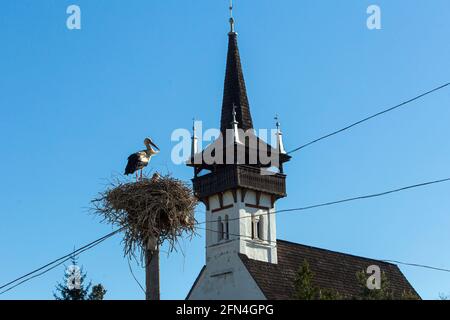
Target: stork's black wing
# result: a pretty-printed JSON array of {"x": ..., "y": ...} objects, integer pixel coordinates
[{"x": 133, "y": 164}]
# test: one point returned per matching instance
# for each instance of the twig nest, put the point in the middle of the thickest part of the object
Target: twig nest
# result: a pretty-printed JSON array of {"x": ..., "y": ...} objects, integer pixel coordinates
[{"x": 151, "y": 211}]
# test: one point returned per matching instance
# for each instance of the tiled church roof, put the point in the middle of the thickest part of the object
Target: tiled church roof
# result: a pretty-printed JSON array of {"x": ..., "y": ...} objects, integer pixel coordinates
[{"x": 331, "y": 270}]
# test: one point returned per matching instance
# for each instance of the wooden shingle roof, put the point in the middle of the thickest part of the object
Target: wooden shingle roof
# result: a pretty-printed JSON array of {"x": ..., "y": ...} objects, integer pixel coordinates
[
  {"x": 331, "y": 270},
  {"x": 235, "y": 92}
]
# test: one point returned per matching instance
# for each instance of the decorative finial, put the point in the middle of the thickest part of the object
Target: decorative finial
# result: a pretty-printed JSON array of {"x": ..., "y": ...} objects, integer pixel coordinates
[
  {"x": 277, "y": 123},
  {"x": 231, "y": 17},
  {"x": 231, "y": 8},
  {"x": 193, "y": 125},
  {"x": 279, "y": 135}
]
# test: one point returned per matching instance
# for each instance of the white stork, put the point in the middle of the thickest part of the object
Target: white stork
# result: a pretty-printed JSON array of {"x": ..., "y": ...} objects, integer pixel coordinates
[{"x": 139, "y": 160}]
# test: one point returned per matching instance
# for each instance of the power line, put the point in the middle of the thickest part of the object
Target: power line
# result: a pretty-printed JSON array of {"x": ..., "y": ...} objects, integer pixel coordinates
[
  {"x": 369, "y": 118},
  {"x": 100, "y": 240},
  {"x": 51, "y": 265},
  {"x": 417, "y": 265},
  {"x": 388, "y": 261},
  {"x": 375, "y": 195},
  {"x": 239, "y": 236},
  {"x": 135, "y": 279},
  {"x": 47, "y": 270}
]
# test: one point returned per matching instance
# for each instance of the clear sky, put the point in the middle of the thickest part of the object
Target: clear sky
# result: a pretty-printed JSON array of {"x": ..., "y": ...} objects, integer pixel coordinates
[{"x": 74, "y": 104}]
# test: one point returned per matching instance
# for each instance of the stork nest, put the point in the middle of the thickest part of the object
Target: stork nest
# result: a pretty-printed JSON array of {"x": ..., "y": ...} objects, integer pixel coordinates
[{"x": 150, "y": 211}]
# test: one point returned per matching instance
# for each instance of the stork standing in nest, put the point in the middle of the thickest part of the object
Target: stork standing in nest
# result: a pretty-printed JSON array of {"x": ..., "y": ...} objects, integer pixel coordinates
[{"x": 139, "y": 160}]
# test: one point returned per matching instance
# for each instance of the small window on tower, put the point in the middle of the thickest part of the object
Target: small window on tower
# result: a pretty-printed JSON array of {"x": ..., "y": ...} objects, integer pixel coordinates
[
  {"x": 260, "y": 226},
  {"x": 227, "y": 229},
  {"x": 256, "y": 228},
  {"x": 253, "y": 229},
  {"x": 219, "y": 229}
]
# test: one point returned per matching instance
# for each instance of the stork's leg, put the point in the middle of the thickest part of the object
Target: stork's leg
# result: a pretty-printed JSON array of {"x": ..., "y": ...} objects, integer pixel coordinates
[
  {"x": 141, "y": 174},
  {"x": 137, "y": 179}
]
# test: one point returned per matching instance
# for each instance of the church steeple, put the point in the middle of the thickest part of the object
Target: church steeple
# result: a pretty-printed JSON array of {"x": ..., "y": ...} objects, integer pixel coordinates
[
  {"x": 235, "y": 92},
  {"x": 236, "y": 117},
  {"x": 238, "y": 190}
]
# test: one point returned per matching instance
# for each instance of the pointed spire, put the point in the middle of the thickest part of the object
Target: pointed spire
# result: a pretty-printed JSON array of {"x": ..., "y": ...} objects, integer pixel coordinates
[
  {"x": 280, "y": 145},
  {"x": 235, "y": 92}
]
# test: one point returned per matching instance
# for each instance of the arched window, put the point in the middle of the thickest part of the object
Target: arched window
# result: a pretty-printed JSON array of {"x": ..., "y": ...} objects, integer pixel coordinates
[
  {"x": 257, "y": 228},
  {"x": 226, "y": 228},
  {"x": 219, "y": 229},
  {"x": 253, "y": 229},
  {"x": 260, "y": 227}
]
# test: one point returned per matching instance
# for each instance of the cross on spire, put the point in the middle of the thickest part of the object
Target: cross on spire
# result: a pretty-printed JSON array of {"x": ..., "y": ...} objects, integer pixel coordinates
[{"x": 231, "y": 17}]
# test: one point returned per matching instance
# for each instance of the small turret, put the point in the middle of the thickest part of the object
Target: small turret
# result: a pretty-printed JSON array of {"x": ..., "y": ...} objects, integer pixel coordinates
[
  {"x": 234, "y": 125},
  {"x": 280, "y": 145},
  {"x": 194, "y": 138}
]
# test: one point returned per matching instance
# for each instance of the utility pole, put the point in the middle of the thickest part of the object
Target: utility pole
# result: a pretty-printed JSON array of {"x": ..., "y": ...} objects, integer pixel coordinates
[{"x": 152, "y": 291}]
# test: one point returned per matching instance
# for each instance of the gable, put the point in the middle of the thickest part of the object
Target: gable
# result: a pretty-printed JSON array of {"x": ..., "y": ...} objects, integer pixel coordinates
[{"x": 229, "y": 281}]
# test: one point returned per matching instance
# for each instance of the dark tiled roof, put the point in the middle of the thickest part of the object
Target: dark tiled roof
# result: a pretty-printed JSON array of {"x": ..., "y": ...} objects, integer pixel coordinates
[
  {"x": 262, "y": 148},
  {"x": 235, "y": 92},
  {"x": 331, "y": 270}
]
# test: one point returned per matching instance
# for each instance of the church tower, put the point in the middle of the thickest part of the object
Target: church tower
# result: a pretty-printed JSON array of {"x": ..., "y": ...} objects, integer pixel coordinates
[{"x": 239, "y": 189}]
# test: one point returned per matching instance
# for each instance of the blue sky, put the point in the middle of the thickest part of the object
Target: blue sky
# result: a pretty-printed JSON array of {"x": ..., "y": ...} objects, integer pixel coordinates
[{"x": 74, "y": 104}]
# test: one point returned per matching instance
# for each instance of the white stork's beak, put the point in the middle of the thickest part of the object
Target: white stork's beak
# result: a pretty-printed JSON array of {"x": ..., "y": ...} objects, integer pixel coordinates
[{"x": 151, "y": 142}]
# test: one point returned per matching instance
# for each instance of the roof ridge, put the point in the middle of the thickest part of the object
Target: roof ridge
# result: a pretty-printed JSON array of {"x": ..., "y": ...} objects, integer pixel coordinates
[{"x": 336, "y": 252}]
